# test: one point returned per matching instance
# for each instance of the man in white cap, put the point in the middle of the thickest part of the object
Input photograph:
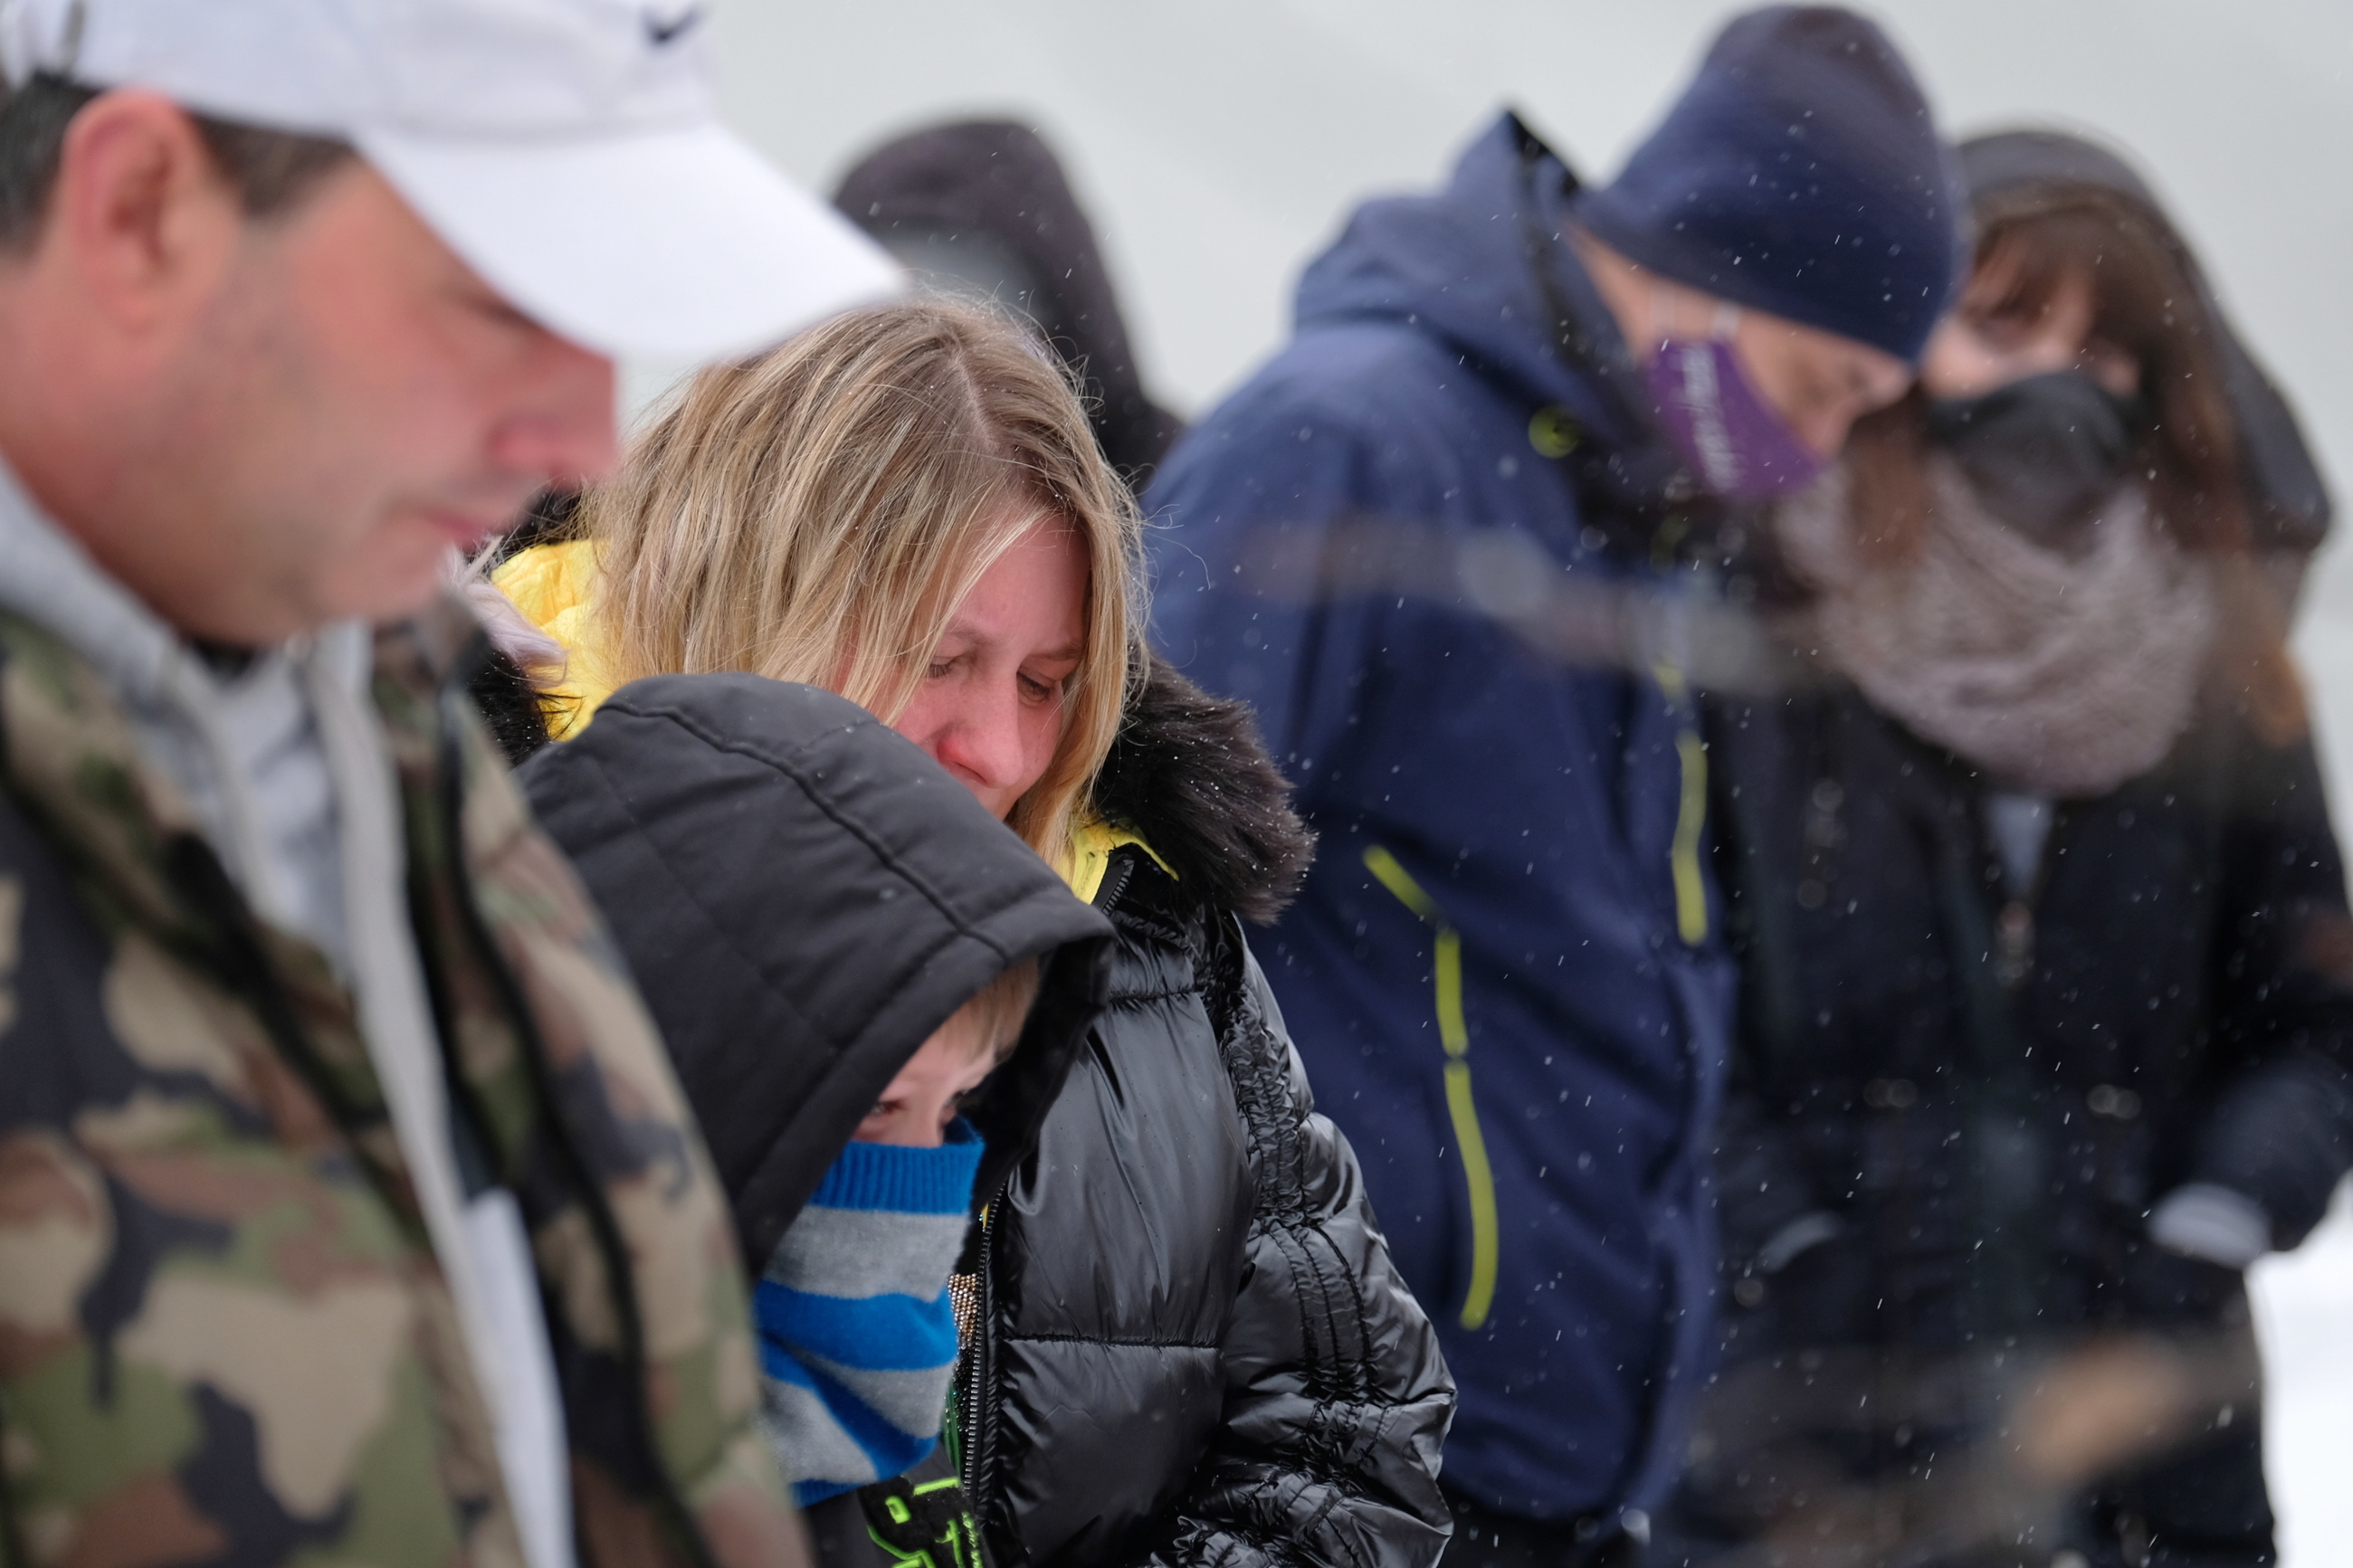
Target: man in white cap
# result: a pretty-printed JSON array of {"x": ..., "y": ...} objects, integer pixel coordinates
[{"x": 347, "y": 1205}]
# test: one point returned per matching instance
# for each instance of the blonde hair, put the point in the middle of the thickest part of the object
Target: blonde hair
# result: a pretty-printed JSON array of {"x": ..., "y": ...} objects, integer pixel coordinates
[
  {"x": 990, "y": 1023},
  {"x": 817, "y": 514}
]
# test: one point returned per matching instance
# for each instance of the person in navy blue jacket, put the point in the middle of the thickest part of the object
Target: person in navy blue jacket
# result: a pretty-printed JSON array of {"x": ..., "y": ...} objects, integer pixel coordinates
[{"x": 1432, "y": 541}]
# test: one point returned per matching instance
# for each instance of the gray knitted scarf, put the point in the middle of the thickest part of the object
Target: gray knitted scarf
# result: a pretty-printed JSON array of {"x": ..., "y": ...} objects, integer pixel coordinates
[{"x": 2058, "y": 671}]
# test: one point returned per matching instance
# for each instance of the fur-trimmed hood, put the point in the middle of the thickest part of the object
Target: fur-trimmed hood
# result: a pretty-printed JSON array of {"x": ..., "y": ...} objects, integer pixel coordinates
[{"x": 1189, "y": 775}]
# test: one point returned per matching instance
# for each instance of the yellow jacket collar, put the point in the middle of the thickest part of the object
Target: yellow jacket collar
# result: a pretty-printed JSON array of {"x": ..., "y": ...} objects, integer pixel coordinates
[{"x": 553, "y": 586}]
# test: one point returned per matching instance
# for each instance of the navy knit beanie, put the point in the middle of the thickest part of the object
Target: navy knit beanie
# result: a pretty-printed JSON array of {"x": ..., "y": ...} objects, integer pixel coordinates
[{"x": 1800, "y": 173}]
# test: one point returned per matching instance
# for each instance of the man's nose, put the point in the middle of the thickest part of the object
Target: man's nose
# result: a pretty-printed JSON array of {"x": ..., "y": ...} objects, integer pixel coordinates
[{"x": 568, "y": 433}]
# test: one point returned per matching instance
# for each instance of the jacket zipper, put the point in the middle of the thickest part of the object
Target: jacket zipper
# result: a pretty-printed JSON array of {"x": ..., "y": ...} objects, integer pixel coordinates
[
  {"x": 1461, "y": 1108},
  {"x": 971, "y": 1419},
  {"x": 1116, "y": 878}
]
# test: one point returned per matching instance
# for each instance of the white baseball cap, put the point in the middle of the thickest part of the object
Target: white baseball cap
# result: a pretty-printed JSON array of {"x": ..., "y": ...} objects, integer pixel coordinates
[{"x": 569, "y": 150}]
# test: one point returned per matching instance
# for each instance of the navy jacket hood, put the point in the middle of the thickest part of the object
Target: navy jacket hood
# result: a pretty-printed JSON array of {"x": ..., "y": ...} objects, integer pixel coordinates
[
  {"x": 1483, "y": 266},
  {"x": 1459, "y": 263}
]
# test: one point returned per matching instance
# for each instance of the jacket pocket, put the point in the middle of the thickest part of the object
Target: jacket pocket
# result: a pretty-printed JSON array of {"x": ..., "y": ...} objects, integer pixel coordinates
[{"x": 1461, "y": 1108}]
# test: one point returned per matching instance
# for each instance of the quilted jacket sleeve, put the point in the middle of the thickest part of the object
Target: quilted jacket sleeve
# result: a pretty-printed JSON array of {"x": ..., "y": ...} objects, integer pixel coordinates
[{"x": 1337, "y": 1398}]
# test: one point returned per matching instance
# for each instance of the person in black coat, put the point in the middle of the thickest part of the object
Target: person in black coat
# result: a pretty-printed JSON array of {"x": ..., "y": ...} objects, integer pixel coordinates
[{"x": 2047, "y": 968}]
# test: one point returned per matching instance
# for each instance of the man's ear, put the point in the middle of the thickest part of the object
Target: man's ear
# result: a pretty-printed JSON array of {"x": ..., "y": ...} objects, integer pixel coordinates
[{"x": 141, "y": 214}]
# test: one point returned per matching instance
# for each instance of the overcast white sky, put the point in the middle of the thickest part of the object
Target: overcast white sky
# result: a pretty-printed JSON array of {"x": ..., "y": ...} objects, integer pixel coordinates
[{"x": 1219, "y": 142}]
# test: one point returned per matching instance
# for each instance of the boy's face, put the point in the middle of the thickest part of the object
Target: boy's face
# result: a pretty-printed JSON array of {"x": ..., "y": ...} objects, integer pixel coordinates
[{"x": 918, "y": 1105}]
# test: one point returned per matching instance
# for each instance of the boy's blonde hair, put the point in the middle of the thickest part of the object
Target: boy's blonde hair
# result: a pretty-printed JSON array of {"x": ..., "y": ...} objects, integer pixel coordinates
[
  {"x": 990, "y": 1023},
  {"x": 816, "y": 514}
]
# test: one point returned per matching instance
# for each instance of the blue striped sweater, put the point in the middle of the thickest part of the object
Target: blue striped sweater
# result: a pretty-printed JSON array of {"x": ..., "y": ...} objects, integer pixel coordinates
[{"x": 857, "y": 1337}]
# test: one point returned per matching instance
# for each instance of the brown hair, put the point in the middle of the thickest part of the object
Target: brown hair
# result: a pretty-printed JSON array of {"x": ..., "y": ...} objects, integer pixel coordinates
[
  {"x": 2147, "y": 300},
  {"x": 816, "y": 514}
]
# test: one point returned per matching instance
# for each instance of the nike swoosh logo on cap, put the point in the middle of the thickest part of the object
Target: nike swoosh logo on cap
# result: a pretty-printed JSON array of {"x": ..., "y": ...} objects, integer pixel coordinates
[{"x": 659, "y": 32}]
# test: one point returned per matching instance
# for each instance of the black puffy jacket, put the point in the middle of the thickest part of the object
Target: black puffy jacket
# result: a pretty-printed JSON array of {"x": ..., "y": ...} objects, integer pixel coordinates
[{"x": 1196, "y": 1349}]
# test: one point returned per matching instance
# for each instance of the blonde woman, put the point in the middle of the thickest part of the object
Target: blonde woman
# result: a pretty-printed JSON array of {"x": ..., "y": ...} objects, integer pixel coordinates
[{"x": 1185, "y": 1341}]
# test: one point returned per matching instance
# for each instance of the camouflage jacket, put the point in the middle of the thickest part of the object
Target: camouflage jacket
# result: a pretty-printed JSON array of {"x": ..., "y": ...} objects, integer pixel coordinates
[{"x": 224, "y": 1337}]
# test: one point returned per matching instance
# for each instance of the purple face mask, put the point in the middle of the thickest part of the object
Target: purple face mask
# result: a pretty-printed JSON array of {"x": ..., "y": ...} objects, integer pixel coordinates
[{"x": 1736, "y": 444}]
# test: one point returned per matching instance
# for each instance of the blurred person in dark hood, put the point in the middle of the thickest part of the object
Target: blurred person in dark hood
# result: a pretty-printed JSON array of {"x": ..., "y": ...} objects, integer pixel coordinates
[
  {"x": 841, "y": 948},
  {"x": 1506, "y": 968},
  {"x": 2047, "y": 969},
  {"x": 983, "y": 207}
]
